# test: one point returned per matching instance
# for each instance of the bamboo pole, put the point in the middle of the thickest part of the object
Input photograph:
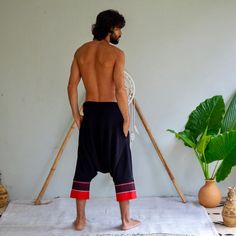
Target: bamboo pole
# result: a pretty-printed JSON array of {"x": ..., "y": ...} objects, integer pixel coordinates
[
  {"x": 54, "y": 166},
  {"x": 56, "y": 161},
  {"x": 158, "y": 150}
]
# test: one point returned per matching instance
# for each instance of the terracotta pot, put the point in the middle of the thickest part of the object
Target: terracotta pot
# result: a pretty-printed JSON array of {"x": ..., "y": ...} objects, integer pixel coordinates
[
  {"x": 229, "y": 209},
  {"x": 209, "y": 195}
]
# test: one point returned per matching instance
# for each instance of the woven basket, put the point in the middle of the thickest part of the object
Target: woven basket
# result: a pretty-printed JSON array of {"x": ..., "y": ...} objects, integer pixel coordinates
[{"x": 3, "y": 196}]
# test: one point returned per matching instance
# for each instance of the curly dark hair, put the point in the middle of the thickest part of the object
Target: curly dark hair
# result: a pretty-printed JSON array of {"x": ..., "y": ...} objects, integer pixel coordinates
[{"x": 105, "y": 21}]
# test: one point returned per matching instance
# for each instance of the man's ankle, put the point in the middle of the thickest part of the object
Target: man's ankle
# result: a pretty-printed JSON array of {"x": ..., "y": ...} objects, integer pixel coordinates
[
  {"x": 125, "y": 220},
  {"x": 81, "y": 217}
]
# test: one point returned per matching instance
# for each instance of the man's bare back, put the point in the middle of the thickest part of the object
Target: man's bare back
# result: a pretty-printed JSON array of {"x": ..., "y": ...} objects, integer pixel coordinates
[
  {"x": 101, "y": 67},
  {"x": 96, "y": 61}
]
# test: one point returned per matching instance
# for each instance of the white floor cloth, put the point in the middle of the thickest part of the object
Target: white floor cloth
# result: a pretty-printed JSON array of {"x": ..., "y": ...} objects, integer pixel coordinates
[{"x": 159, "y": 216}]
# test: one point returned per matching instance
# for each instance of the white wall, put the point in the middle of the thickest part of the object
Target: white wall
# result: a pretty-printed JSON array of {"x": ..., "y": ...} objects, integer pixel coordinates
[{"x": 178, "y": 52}]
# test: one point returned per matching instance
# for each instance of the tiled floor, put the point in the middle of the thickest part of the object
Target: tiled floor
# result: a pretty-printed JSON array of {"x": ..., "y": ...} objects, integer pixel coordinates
[{"x": 215, "y": 215}]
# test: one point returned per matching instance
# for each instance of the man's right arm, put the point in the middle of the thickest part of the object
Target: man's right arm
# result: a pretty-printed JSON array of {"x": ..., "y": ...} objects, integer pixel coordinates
[
  {"x": 74, "y": 80},
  {"x": 121, "y": 95}
]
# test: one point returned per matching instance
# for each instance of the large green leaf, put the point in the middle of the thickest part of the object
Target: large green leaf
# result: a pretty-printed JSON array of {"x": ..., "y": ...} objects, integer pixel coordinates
[
  {"x": 229, "y": 120},
  {"x": 222, "y": 147},
  {"x": 186, "y": 137},
  {"x": 208, "y": 114},
  {"x": 202, "y": 143}
]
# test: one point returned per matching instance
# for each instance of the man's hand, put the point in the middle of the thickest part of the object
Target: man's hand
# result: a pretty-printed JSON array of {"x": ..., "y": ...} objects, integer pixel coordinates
[
  {"x": 78, "y": 119},
  {"x": 126, "y": 127}
]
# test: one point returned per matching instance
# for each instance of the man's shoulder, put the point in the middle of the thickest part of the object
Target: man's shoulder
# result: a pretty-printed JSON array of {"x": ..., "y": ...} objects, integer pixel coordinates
[
  {"x": 85, "y": 45},
  {"x": 117, "y": 50},
  {"x": 90, "y": 44}
]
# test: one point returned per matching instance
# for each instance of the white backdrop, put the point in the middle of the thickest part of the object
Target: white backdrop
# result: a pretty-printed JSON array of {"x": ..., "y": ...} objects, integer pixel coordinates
[{"x": 178, "y": 52}]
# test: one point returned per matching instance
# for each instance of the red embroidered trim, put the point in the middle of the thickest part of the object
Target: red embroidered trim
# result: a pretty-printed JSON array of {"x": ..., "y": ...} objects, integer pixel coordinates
[
  {"x": 83, "y": 195},
  {"x": 126, "y": 196}
]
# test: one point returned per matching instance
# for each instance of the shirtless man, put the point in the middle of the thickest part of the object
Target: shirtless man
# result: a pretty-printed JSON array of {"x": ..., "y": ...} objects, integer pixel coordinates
[{"x": 101, "y": 67}]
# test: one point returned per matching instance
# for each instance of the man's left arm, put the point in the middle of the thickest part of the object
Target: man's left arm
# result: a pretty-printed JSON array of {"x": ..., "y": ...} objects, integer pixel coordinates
[{"x": 74, "y": 80}]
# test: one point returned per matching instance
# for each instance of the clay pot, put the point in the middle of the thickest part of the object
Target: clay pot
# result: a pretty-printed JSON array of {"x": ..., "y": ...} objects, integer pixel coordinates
[
  {"x": 229, "y": 209},
  {"x": 209, "y": 195}
]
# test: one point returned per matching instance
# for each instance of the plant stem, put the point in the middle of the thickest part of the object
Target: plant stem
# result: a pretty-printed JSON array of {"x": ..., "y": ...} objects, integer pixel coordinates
[
  {"x": 207, "y": 167},
  {"x": 201, "y": 163},
  {"x": 214, "y": 170}
]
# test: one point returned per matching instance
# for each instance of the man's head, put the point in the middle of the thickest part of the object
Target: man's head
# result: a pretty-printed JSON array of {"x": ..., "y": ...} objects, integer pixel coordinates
[{"x": 108, "y": 22}]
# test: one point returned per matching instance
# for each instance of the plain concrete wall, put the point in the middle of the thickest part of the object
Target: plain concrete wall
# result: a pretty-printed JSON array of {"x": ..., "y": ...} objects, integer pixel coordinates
[{"x": 178, "y": 52}]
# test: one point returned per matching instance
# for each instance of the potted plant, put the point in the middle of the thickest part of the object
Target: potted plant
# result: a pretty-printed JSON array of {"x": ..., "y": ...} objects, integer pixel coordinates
[{"x": 211, "y": 132}]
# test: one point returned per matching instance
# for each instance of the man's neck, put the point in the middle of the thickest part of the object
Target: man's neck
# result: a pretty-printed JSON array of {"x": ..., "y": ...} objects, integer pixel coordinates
[{"x": 107, "y": 38}]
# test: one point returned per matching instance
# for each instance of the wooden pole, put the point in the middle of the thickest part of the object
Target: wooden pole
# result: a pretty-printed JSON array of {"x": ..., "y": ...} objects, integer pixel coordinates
[
  {"x": 158, "y": 150},
  {"x": 54, "y": 166}
]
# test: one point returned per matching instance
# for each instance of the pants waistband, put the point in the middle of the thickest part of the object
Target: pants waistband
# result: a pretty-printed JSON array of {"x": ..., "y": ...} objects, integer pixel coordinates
[{"x": 93, "y": 104}]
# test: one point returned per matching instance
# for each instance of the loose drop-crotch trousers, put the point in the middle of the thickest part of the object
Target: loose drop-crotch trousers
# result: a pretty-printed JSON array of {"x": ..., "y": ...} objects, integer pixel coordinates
[{"x": 103, "y": 147}]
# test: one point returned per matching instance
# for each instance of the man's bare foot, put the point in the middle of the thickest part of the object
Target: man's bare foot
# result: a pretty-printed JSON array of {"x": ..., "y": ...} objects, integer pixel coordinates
[
  {"x": 79, "y": 224},
  {"x": 130, "y": 224}
]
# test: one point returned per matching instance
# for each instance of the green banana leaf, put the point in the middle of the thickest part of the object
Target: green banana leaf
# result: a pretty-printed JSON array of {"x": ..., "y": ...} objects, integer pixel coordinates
[
  {"x": 207, "y": 114},
  {"x": 229, "y": 120},
  {"x": 222, "y": 147}
]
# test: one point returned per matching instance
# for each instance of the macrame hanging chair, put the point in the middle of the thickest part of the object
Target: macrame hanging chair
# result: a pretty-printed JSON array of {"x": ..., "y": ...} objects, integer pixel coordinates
[
  {"x": 130, "y": 90},
  {"x": 130, "y": 87}
]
